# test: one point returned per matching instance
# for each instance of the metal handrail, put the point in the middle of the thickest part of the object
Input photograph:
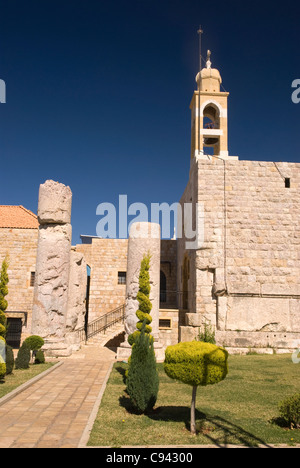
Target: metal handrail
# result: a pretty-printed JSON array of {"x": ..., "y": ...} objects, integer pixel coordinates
[{"x": 102, "y": 323}]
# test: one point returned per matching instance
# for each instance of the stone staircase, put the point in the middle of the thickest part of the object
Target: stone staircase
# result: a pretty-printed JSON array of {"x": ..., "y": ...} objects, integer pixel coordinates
[{"x": 110, "y": 336}]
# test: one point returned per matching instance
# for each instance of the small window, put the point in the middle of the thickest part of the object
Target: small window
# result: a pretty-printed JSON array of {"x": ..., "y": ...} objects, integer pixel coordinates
[
  {"x": 32, "y": 279},
  {"x": 287, "y": 183},
  {"x": 165, "y": 323},
  {"x": 121, "y": 277}
]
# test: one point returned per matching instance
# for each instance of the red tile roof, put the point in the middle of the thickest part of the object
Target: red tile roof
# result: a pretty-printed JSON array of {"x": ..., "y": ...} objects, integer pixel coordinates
[{"x": 17, "y": 217}]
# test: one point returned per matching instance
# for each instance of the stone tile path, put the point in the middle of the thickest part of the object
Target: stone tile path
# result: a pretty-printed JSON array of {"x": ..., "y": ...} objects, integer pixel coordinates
[{"x": 54, "y": 412}]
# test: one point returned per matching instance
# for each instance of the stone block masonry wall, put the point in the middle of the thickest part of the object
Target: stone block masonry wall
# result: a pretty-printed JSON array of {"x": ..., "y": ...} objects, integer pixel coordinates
[
  {"x": 263, "y": 228},
  {"x": 21, "y": 246},
  {"x": 106, "y": 257},
  {"x": 248, "y": 268}
]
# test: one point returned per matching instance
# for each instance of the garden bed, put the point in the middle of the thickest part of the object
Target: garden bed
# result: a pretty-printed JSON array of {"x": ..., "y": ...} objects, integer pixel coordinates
[{"x": 243, "y": 409}]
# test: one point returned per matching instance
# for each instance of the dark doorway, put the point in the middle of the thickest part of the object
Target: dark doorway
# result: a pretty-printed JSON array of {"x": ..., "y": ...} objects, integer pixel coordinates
[
  {"x": 14, "y": 332},
  {"x": 87, "y": 300},
  {"x": 163, "y": 287}
]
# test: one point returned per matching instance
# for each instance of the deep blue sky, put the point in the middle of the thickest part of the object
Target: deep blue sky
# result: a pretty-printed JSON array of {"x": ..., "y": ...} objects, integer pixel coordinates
[{"x": 98, "y": 94}]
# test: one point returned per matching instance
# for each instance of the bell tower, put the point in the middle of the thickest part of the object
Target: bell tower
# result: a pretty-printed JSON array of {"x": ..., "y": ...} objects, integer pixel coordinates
[{"x": 209, "y": 115}]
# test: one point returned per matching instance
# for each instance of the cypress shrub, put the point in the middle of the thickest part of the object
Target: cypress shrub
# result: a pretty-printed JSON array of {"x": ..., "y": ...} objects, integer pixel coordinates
[
  {"x": 145, "y": 305},
  {"x": 142, "y": 378},
  {"x": 3, "y": 292},
  {"x": 23, "y": 357},
  {"x": 10, "y": 360},
  {"x": 39, "y": 357}
]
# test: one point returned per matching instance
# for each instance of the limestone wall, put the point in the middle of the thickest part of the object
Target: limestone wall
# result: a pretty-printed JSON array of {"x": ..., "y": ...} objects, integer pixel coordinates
[
  {"x": 21, "y": 246},
  {"x": 106, "y": 257},
  {"x": 248, "y": 269}
]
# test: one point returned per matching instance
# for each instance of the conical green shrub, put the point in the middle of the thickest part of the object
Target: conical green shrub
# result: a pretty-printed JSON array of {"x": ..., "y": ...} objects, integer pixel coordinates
[
  {"x": 3, "y": 302},
  {"x": 142, "y": 378},
  {"x": 10, "y": 360},
  {"x": 23, "y": 357}
]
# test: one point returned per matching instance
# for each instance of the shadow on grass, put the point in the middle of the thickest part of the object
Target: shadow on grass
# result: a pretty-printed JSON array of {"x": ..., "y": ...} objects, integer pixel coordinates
[
  {"x": 122, "y": 371},
  {"x": 219, "y": 431}
]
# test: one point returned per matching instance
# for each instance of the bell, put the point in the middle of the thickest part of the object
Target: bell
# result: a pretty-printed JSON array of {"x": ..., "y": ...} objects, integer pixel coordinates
[{"x": 210, "y": 141}]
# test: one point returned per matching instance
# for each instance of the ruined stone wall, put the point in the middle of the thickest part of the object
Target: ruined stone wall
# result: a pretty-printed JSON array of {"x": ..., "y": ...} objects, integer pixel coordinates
[
  {"x": 21, "y": 246},
  {"x": 248, "y": 269}
]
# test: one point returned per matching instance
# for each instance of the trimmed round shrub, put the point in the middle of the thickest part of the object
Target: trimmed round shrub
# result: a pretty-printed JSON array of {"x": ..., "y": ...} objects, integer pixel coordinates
[
  {"x": 23, "y": 357},
  {"x": 39, "y": 357},
  {"x": 10, "y": 360},
  {"x": 196, "y": 363},
  {"x": 35, "y": 342},
  {"x": 290, "y": 411}
]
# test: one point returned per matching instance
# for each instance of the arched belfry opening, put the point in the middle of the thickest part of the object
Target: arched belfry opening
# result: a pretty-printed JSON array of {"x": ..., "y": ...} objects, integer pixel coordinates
[{"x": 211, "y": 117}]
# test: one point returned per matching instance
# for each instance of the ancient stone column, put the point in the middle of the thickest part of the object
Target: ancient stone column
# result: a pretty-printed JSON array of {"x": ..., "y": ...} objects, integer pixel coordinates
[
  {"x": 144, "y": 238},
  {"x": 76, "y": 299},
  {"x": 53, "y": 267}
]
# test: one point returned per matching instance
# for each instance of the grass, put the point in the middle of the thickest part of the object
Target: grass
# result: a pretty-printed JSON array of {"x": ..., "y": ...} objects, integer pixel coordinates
[
  {"x": 20, "y": 376},
  {"x": 243, "y": 409}
]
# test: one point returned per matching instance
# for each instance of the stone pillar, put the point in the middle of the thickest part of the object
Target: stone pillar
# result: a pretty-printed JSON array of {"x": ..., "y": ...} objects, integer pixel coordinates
[
  {"x": 144, "y": 238},
  {"x": 53, "y": 267},
  {"x": 76, "y": 299}
]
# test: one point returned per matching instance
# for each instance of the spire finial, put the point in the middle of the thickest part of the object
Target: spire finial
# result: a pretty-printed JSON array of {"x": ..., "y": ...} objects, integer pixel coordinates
[{"x": 208, "y": 62}]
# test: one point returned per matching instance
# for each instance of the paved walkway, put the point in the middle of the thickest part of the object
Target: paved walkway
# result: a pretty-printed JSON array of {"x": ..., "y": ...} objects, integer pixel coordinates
[{"x": 54, "y": 412}]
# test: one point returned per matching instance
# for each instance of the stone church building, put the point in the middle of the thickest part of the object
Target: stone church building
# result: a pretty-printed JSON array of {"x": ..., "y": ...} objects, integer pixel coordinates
[{"x": 241, "y": 275}]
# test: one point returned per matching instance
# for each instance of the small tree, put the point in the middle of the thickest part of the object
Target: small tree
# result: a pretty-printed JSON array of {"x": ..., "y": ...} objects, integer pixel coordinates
[
  {"x": 145, "y": 305},
  {"x": 23, "y": 357},
  {"x": 196, "y": 363},
  {"x": 142, "y": 378},
  {"x": 35, "y": 343}
]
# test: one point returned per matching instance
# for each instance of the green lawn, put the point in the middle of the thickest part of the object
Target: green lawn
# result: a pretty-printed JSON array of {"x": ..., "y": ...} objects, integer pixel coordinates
[
  {"x": 20, "y": 376},
  {"x": 240, "y": 410}
]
